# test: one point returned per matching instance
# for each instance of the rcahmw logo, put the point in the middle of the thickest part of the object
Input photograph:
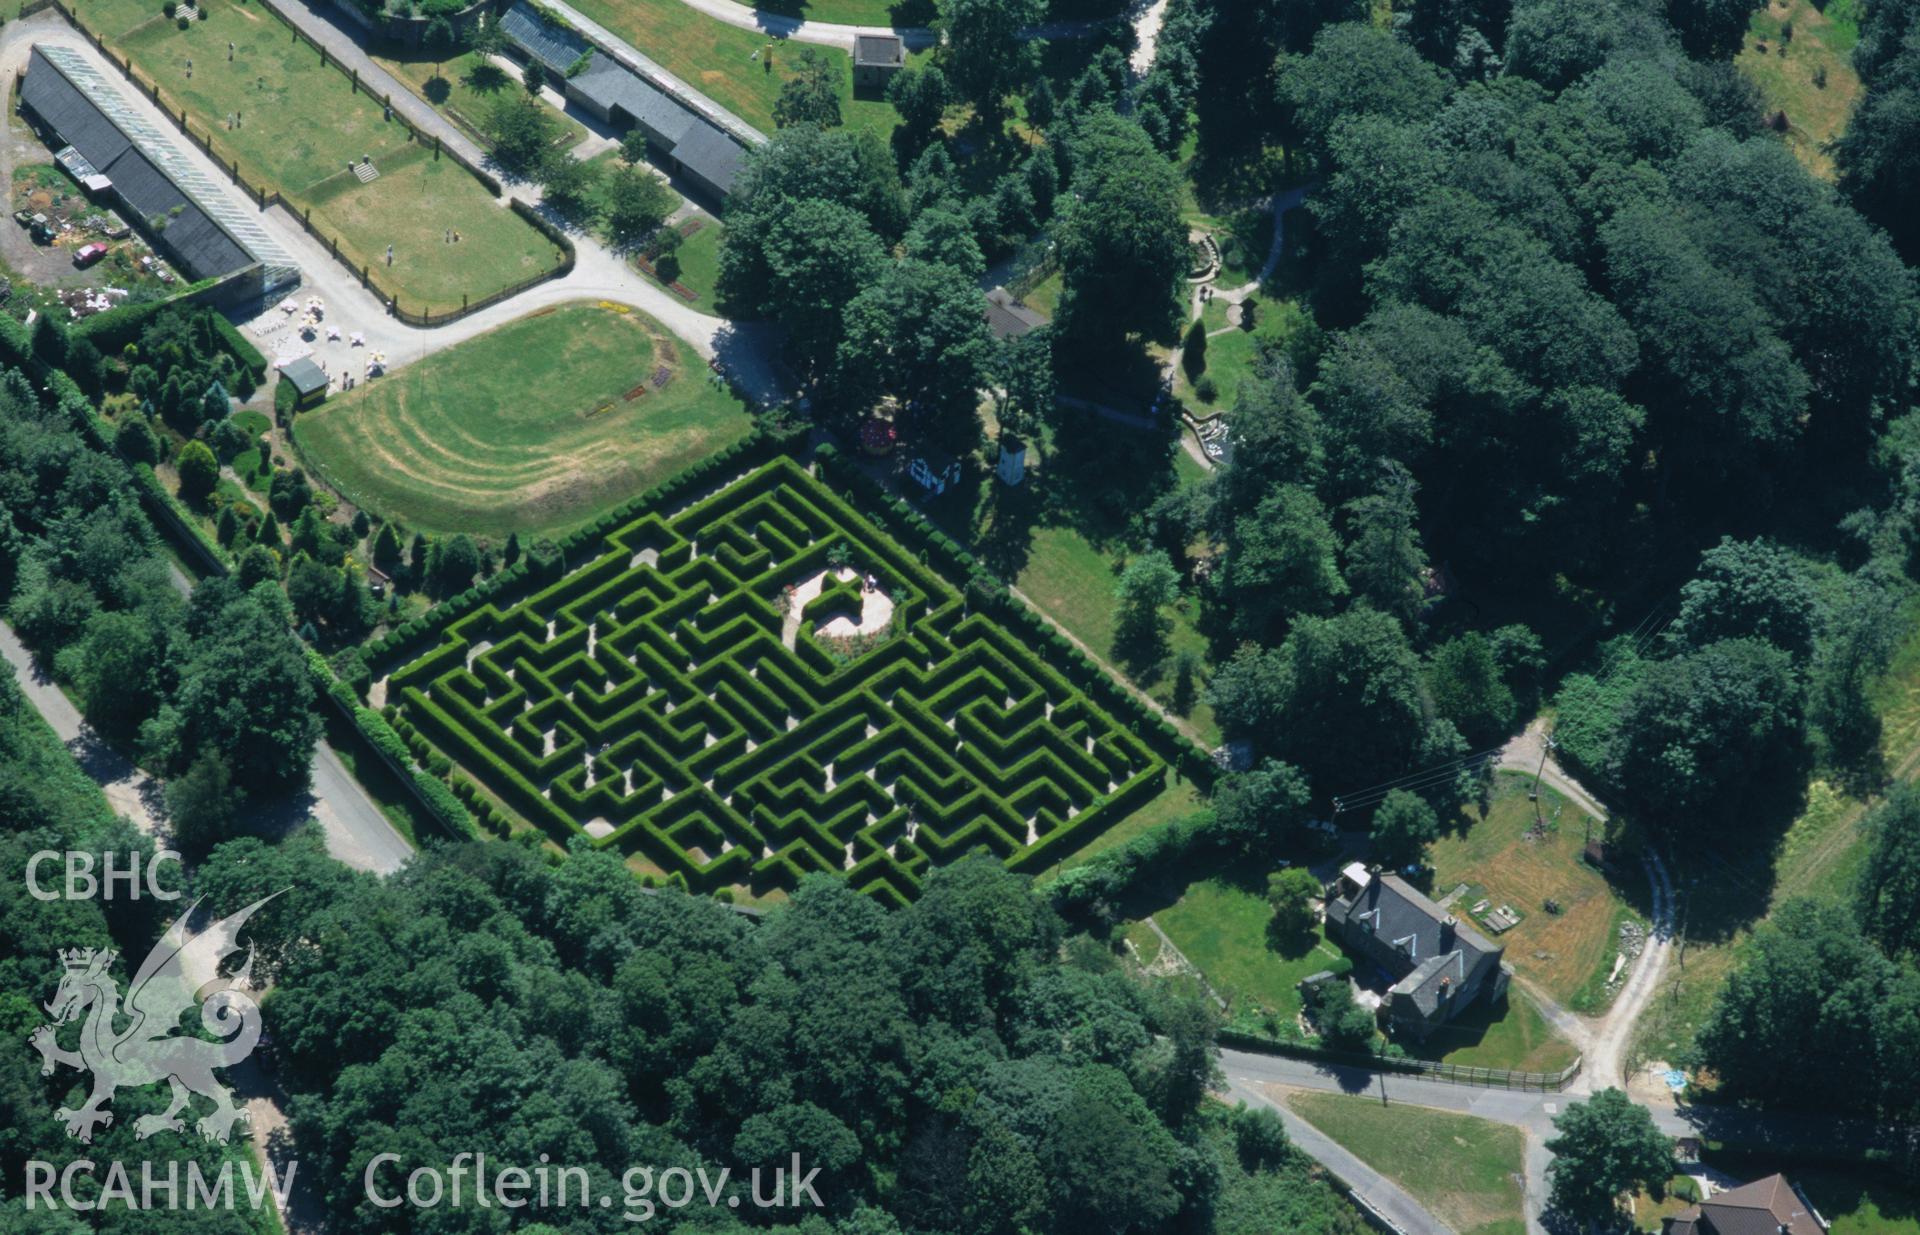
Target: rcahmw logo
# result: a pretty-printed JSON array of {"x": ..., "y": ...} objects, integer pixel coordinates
[{"x": 148, "y": 1051}]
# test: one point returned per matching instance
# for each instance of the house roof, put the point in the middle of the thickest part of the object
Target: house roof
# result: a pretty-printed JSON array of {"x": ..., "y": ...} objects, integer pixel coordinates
[
  {"x": 1007, "y": 318},
  {"x": 884, "y": 51},
  {"x": 710, "y": 155},
  {"x": 306, "y": 376},
  {"x": 555, "y": 47},
  {"x": 607, "y": 85},
  {"x": 196, "y": 240},
  {"x": 207, "y": 234},
  {"x": 60, "y": 103},
  {"x": 1767, "y": 1206},
  {"x": 1432, "y": 946}
]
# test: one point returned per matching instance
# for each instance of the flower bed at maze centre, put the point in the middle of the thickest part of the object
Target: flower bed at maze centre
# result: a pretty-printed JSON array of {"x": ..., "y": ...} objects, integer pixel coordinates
[{"x": 660, "y": 698}]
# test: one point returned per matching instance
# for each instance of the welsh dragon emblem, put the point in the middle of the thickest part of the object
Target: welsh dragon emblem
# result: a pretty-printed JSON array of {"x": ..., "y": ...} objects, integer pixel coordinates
[{"x": 135, "y": 1042}]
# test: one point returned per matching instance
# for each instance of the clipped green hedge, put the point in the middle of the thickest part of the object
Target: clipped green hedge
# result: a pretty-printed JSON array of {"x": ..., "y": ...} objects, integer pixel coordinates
[
  {"x": 114, "y": 328},
  {"x": 709, "y": 751},
  {"x": 755, "y": 448},
  {"x": 432, "y": 794},
  {"x": 240, "y": 347},
  {"x": 912, "y": 527},
  {"x": 440, "y": 800}
]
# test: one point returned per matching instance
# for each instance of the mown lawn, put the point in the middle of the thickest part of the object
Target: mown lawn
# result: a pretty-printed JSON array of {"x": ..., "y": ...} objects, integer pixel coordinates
[
  {"x": 467, "y": 87},
  {"x": 1465, "y": 1170},
  {"x": 1650, "y": 1213},
  {"x": 1511, "y": 1034},
  {"x": 1233, "y": 357},
  {"x": 1221, "y": 927},
  {"x": 1177, "y": 799},
  {"x": 700, "y": 259},
  {"x": 1045, "y": 296},
  {"x": 300, "y": 124},
  {"x": 1072, "y": 580},
  {"x": 1809, "y": 76},
  {"x": 856, "y": 12},
  {"x": 741, "y": 70},
  {"x": 538, "y": 426},
  {"x": 1066, "y": 557},
  {"x": 1569, "y": 953}
]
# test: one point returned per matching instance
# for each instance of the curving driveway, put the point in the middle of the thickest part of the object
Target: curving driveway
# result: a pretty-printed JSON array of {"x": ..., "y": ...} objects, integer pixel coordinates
[{"x": 1604, "y": 1040}]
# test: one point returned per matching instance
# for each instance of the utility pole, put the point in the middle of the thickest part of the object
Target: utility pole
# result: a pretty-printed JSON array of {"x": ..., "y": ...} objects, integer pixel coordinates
[{"x": 1545, "y": 745}]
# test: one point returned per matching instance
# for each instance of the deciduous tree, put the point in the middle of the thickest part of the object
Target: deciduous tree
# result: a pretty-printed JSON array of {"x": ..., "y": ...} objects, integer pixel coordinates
[
  {"x": 1121, "y": 242},
  {"x": 984, "y": 55},
  {"x": 1292, "y": 893},
  {"x": 1605, "y": 1146},
  {"x": 1402, "y": 827}
]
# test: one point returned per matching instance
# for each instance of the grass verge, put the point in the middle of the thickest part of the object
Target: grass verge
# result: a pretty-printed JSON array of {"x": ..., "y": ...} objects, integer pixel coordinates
[{"x": 1465, "y": 1170}]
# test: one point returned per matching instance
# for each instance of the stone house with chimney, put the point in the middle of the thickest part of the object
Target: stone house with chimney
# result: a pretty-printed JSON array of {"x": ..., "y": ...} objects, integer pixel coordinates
[{"x": 1439, "y": 966}]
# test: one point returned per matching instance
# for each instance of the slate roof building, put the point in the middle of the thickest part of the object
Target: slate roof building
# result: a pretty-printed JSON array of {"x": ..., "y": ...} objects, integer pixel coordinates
[
  {"x": 1770, "y": 1206},
  {"x": 1440, "y": 967},
  {"x": 620, "y": 97},
  {"x": 710, "y": 159},
  {"x": 201, "y": 226},
  {"x": 1007, "y": 318},
  {"x": 707, "y": 155},
  {"x": 309, "y": 379},
  {"x": 876, "y": 58}
]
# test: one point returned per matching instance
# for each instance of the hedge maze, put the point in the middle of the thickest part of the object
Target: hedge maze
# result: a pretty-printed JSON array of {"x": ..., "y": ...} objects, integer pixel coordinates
[{"x": 667, "y": 699}]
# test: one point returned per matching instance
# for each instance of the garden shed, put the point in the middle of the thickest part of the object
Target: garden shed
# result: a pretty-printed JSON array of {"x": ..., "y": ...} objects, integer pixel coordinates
[
  {"x": 309, "y": 380},
  {"x": 876, "y": 58}
]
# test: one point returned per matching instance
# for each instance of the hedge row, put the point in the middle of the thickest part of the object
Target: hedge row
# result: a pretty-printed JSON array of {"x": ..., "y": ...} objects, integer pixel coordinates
[
  {"x": 112, "y": 329},
  {"x": 738, "y": 770},
  {"x": 16, "y": 349},
  {"x": 431, "y": 791},
  {"x": 1111, "y": 875},
  {"x": 755, "y": 448},
  {"x": 240, "y": 347},
  {"x": 912, "y": 527}
]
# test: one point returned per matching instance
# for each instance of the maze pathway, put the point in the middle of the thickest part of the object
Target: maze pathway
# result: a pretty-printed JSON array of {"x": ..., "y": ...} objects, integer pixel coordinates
[{"x": 647, "y": 700}]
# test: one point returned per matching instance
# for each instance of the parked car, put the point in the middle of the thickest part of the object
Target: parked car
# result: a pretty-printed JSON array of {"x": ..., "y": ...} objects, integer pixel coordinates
[
  {"x": 88, "y": 254},
  {"x": 23, "y": 217}
]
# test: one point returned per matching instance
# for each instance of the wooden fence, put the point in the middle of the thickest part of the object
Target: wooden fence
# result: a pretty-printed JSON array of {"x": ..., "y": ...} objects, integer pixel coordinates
[
  {"x": 266, "y": 197},
  {"x": 1456, "y": 1074}
]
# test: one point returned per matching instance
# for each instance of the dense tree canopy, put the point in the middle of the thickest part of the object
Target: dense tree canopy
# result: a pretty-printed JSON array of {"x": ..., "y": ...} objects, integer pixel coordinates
[
  {"x": 940, "y": 1063},
  {"x": 1122, "y": 244}
]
